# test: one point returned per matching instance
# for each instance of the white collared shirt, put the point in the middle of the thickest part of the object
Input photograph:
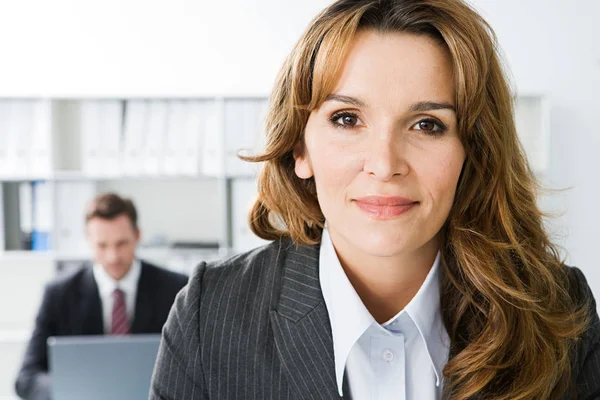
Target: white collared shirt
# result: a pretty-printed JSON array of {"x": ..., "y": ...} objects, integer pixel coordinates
[
  {"x": 107, "y": 285},
  {"x": 400, "y": 359}
]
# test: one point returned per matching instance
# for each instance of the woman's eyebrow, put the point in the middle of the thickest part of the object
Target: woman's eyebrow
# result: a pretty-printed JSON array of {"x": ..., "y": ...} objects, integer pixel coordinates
[
  {"x": 431, "y": 105},
  {"x": 417, "y": 107},
  {"x": 346, "y": 99}
]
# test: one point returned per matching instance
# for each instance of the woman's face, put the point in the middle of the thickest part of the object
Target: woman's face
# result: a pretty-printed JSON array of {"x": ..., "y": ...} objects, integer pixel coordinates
[{"x": 384, "y": 148}]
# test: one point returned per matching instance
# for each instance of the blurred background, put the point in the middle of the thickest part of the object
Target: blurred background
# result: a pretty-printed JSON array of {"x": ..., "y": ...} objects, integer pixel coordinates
[{"x": 152, "y": 99}]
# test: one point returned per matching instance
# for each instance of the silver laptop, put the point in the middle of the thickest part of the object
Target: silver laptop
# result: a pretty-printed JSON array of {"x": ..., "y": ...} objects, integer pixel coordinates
[{"x": 102, "y": 367}]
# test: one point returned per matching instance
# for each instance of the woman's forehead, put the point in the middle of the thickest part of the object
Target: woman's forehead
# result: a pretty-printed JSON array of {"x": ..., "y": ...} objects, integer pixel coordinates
[{"x": 394, "y": 67}]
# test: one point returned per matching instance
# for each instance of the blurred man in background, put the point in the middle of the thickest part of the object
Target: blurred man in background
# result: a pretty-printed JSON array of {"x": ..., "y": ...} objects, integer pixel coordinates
[{"x": 117, "y": 295}]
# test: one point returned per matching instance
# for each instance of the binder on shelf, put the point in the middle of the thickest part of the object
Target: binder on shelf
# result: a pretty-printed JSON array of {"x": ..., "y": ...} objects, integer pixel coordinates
[
  {"x": 134, "y": 133},
  {"x": 257, "y": 137},
  {"x": 173, "y": 141},
  {"x": 41, "y": 140},
  {"x": 112, "y": 113},
  {"x": 91, "y": 126},
  {"x": 4, "y": 124},
  {"x": 101, "y": 125},
  {"x": 201, "y": 120},
  {"x": 71, "y": 201},
  {"x": 25, "y": 215},
  {"x": 18, "y": 131},
  {"x": 42, "y": 216},
  {"x": 212, "y": 156},
  {"x": 235, "y": 123},
  {"x": 2, "y": 220},
  {"x": 243, "y": 131},
  {"x": 263, "y": 108},
  {"x": 156, "y": 127}
]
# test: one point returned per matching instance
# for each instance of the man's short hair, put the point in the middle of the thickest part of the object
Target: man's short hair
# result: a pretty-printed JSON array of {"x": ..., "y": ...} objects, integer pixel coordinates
[{"x": 110, "y": 206}]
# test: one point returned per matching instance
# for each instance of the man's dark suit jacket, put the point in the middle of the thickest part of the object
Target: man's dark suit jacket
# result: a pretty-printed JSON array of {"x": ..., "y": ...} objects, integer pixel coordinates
[
  {"x": 71, "y": 306},
  {"x": 256, "y": 327}
]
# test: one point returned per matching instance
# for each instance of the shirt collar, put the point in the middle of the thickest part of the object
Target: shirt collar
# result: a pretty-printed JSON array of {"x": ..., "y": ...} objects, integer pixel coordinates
[
  {"x": 350, "y": 318},
  {"x": 107, "y": 284},
  {"x": 348, "y": 315},
  {"x": 425, "y": 311}
]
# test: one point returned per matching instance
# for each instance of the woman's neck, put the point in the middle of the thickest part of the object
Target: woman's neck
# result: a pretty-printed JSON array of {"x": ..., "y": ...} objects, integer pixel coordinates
[{"x": 387, "y": 284}]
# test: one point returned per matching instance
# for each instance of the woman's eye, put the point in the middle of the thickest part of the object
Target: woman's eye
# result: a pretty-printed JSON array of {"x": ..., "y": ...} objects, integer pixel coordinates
[
  {"x": 346, "y": 120},
  {"x": 430, "y": 126}
]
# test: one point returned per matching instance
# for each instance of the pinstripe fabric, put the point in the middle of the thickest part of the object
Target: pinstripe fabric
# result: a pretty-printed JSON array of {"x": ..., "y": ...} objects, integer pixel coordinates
[
  {"x": 586, "y": 371},
  {"x": 264, "y": 328},
  {"x": 256, "y": 327}
]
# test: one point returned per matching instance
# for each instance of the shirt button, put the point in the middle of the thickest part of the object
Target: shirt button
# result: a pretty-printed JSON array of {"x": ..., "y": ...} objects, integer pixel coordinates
[{"x": 388, "y": 355}]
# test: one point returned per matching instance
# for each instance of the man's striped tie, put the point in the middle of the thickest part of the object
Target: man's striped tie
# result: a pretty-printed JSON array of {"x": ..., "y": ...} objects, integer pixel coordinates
[{"x": 120, "y": 323}]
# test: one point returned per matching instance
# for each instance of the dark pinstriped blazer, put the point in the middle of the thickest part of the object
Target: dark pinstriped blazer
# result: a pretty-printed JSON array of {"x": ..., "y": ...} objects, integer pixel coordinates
[{"x": 256, "y": 327}]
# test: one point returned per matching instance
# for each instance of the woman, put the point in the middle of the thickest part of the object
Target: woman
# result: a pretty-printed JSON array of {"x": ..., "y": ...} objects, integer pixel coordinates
[{"x": 409, "y": 258}]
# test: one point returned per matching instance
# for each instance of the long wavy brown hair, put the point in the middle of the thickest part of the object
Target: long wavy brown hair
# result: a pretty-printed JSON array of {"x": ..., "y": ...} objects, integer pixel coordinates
[{"x": 505, "y": 298}]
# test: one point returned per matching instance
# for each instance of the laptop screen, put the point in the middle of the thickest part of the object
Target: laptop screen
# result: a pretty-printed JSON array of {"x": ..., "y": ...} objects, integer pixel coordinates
[{"x": 102, "y": 367}]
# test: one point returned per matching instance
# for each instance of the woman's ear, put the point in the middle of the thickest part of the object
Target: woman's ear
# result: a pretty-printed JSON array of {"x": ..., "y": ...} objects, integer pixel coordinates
[{"x": 303, "y": 166}]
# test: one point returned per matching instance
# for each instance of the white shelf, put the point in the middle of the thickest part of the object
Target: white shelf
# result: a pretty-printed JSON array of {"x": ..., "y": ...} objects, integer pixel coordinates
[
  {"x": 184, "y": 196},
  {"x": 142, "y": 252},
  {"x": 24, "y": 255},
  {"x": 30, "y": 255},
  {"x": 77, "y": 176}
]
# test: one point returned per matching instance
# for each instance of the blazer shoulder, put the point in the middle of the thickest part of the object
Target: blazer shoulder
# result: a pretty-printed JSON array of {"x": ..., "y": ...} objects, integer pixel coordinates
[
  {"x": 243, "y": 276},
  {"x": 161, "y": 274},
  {"x": 245, "y": 267},
  {"x": 67, "y": 280},
  {"x": 582, "y": 295},
  {"x": 579, "y": 288},
  {"x": 589, "y": 343}
]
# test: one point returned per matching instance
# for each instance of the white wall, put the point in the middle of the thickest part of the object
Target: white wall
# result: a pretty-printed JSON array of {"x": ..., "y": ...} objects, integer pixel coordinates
[{"x": 146, "y": 47}]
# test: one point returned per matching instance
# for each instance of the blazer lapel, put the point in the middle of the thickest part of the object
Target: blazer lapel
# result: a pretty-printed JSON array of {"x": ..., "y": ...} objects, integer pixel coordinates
[
  {"x": 143, "y": 317},
  {"x": 90, "y": 307},
  {"x": 301, "y": 326}
]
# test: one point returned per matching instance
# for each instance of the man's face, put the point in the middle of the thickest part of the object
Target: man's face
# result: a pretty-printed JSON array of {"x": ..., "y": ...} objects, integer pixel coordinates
[{"x": 113, "y": 243}]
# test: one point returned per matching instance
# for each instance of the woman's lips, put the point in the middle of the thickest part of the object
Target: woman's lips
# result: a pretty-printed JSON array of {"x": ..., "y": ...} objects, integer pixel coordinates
[{"x": 385, "y": 207}]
